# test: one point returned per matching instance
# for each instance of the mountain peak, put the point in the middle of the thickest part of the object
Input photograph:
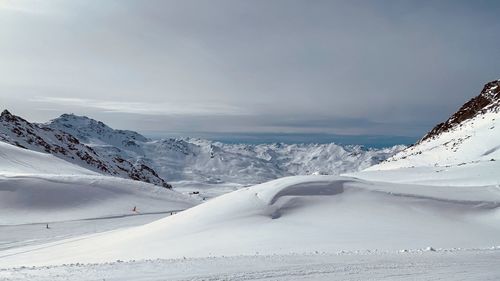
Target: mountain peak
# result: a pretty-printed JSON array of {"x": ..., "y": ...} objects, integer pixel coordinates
[
  {"x": 77, "y": 120},
  {"x": 72, "y": 116},
  {"x": 79, "y": 123},
  {"x": 488, "y": 99},
  {"x": 491, "y": 90},
  {"x": 8, "y": 117},
  {"x": 6, "y": 113},
  {"x": 89, "y": 130},
  {"x": 469, "y": 136}
]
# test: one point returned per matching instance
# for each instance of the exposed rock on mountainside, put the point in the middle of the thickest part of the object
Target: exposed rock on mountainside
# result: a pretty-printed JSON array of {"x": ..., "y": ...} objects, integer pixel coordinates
[
  {"x": 38, "y": 137},
  {"x": 487, "y": 100},
  {"x": 469, "y": 136}
]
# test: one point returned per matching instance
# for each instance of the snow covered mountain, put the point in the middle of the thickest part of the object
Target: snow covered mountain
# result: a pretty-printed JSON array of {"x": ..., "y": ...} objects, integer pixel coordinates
[
  {"x": 204, "y": 161},
  {"x": 471, "y": 136},
  {"x": 95, "y": 132},
  {"x": 95, "y": 146},
  {"x": 38, "y": 137}
]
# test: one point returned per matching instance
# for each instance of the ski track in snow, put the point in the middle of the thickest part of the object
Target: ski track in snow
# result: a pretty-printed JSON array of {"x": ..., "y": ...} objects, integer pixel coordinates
[
  {"x": 13, "y": 236},
  {"x": 260, "y": 219},
  {"x": 474, "y": 264}
]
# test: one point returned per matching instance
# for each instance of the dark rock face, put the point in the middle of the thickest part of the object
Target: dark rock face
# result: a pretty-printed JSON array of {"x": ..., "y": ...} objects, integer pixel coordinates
[
  {"x": 38, "y": 137},
  {"x": 488, "y": 99}
]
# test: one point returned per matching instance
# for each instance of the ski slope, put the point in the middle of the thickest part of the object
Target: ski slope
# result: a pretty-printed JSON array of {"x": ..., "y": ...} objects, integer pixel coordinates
[
  {"x": 37, "y": 187},
  {"x": 470, "y": 174},
  {"x": 419, "y": 265},
  {"x": 301, "y": 214}
]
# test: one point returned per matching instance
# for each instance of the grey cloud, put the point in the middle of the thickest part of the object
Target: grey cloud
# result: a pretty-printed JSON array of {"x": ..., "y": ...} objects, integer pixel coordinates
[{"x": 391, "y": 67}]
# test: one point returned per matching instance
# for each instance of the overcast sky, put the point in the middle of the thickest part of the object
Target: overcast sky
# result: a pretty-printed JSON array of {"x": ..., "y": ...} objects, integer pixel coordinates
[{"x": 345, "y": 67}]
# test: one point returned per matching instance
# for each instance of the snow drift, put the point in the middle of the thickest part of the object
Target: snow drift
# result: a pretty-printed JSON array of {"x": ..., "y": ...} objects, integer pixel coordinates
[{"x": 297, "y": 214}]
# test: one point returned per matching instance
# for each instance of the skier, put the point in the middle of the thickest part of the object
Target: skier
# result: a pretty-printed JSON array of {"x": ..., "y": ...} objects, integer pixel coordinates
[
  {"x": 47, "y": 226},
  {"x": 135, "y": 209}
]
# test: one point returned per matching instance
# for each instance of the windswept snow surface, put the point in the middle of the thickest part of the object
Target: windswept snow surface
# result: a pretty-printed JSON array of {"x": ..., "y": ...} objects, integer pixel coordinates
[
  {"x": 301, "y": 214},
  {"x": 485, "y": 173},
  {"x": 32, "y": 192},
  {"x": 419, "y": 265}
]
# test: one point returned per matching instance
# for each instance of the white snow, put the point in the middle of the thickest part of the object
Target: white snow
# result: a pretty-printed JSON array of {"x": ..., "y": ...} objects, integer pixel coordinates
[
  {"x": 30, "y": 191},
  {"x": 474, "y": 140},
  {"x": 295, "y": 215},
  {"x": 419, "y": 265},
  {"x": 16, "y": 161},
  {"x": 470, "y": 174}
]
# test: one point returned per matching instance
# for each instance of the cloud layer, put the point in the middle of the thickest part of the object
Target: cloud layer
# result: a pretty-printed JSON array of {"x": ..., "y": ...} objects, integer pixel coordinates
[{"x": 356, "y": 67}]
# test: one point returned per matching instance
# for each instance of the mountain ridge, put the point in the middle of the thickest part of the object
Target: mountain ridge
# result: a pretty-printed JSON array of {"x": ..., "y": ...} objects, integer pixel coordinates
[
  {"x": 208, "y": 161},
  {"x": 183, "y": 159},
  {"x": 488, "y": 99},
  {"x": 469, "y": 136},
  {"x": 38, "y": 137}
]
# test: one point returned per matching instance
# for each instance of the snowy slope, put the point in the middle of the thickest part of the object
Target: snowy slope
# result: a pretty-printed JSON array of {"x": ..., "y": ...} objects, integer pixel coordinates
[
  {"x": 441, "y": 265},
  {"x": 470, "y": 174},
  {"x": 37, "y": 187},
  {"x": 297, "y": 215},
  {"x": 47, "y": 198},
  {"x": 471, "y": 135},
  {"x": 208, "y": 162},
  {"x": 18, "y": 161}
]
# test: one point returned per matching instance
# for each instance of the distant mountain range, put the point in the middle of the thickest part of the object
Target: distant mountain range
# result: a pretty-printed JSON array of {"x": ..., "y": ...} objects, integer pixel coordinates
[
  {"x": 97, "y": 147},
  {"x": 470, "y": 135}
]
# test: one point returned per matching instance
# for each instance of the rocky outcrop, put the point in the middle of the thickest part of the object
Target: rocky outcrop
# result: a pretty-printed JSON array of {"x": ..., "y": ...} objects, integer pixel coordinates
[
  {"x": 488, "y": 99},
  {"x": 469, "y": 136}
]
